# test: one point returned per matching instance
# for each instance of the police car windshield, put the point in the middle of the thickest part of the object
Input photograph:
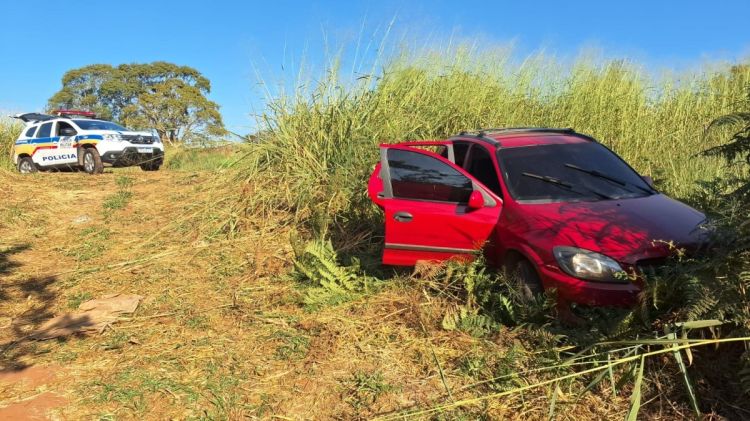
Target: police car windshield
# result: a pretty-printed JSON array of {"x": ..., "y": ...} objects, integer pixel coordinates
[{"x": 98, "y": 125}]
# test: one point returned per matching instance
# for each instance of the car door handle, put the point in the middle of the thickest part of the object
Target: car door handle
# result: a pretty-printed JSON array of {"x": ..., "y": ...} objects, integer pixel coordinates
[{"x": 403, "y": 217}]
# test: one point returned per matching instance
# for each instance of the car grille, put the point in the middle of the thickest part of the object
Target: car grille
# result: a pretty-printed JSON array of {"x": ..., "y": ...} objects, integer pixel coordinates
[{"x": 138, "y": 139}]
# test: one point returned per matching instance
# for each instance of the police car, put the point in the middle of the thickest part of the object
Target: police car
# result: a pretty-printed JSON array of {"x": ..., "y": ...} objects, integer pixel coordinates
[{"x": 76, "y": 139}]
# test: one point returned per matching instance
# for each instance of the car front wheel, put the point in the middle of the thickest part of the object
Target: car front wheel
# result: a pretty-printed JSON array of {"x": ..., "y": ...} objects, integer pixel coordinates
[
  {"x": 92, "y": 162},
  {"x": 524, "y": 274},
  {"x": 26, "y": 165}
]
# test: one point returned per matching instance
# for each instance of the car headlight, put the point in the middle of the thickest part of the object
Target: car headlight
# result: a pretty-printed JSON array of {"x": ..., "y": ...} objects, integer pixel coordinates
[
  {"x": 588, "y": 265},
  {"x": 113, "y": 137}
]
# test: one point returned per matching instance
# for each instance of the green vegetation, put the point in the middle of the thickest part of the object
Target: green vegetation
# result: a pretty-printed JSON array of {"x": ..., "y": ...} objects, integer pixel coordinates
[
  {"x": 365, "y": 388},
  {"x": 291, "y": 346},
  {"x": 121, "y": 197},
  {"x": 737, "y": 149},
  {"x": 160, "y": 95},
  {"x": 9, "y": 130},
  {"x": 322, "y": 138},
  {"x": 197, "y": 159},
  {"x": 92, "y": 242},
  {"x": 75, "y": 300}
]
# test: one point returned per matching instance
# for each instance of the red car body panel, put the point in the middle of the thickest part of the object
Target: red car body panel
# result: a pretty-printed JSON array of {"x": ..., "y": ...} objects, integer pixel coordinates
[
  {"x": 435, "y": 231},
  {"x": 630, "y": 231}
]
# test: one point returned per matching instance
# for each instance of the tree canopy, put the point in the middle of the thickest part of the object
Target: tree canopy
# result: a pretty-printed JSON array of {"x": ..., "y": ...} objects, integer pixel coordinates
[{"x": 160, "y": 95}]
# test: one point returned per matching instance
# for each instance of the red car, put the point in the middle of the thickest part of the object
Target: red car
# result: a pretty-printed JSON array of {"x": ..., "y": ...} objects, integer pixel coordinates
[{"x": 555, "y": 206}]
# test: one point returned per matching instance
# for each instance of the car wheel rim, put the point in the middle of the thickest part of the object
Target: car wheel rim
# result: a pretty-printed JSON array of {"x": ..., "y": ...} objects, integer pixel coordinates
[
  {"x": 88, "y": 163},
  {"x": 25, "y": 167}
]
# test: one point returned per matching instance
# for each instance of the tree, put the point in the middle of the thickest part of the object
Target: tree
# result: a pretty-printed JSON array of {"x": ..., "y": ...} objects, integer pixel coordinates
[{"x": 163, "y": 96}]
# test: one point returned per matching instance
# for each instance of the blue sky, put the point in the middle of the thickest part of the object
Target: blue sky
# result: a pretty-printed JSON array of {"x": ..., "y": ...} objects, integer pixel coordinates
[{"x": 227, "y": 40}]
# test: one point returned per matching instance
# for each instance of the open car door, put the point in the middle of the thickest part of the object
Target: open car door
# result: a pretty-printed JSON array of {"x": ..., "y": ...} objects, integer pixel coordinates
[
  {"x": 33, "y": 117},
  {"x": 434, "y": 210}
]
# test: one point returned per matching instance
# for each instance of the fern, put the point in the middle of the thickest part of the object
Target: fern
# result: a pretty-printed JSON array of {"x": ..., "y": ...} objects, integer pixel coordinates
[
  {"x": 699, "y": 300},
  {"x": 481, "y": 300},
  {"x": 468, "y": 320},
  {"x": 316, "y": 265},
  {"x": 738, "y": 146}
]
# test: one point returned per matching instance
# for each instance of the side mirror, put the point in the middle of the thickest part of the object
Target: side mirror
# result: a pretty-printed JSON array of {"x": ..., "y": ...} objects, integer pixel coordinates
[
  {"x": 649, "y": 181},
  {"x": 67, "y": 131},
  {"x": 476, "y": 200}
]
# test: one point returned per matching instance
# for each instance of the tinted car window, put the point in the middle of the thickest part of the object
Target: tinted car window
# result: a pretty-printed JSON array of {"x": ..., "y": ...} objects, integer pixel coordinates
[
  {"x": 459, "y": 152},
  {"x": 421, "y": 177},
  {"x": 481, "y": 167},
  {"x": 44, "y": 130},
  {"x": 551, "y": 160},
  {"x": 98, "y": 125},
  {"x": 30, "y": 132},
  {"x": 61, "y": 125}
]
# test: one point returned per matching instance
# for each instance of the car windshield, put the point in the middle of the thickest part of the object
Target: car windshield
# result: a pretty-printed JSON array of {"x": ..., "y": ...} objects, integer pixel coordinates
[
  {"x": 98, "y": 125},
  {"x": 569, "y": 172}
]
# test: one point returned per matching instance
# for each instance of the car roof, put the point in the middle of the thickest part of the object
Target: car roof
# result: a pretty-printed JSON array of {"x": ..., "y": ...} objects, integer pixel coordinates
[
  {"x": 511, "y": 137},
  {"x": 525, "y": 136},
  {"x": 33, "y": 118}
]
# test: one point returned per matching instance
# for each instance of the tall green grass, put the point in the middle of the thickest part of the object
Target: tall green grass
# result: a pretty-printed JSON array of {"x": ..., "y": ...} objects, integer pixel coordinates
[
  {"x": 9, "y": 130},
  {"x": 197, "y": 159},
  {"x": 322, "y": 136}
]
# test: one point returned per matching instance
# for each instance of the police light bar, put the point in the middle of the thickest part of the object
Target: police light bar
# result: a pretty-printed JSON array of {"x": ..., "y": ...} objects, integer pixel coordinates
[{"x": 77, "y": 113}]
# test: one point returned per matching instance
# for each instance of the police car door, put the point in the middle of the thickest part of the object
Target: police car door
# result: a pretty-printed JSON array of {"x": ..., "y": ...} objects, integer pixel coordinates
[
  {"x": 65, "y": 135},
  {"x": 45, "y": 146}
]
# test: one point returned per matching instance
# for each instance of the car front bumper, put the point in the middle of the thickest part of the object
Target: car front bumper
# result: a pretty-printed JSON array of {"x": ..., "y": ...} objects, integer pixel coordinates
[
  {"x": 574, "y": 290},
  {"x": 130, "y": 156}
]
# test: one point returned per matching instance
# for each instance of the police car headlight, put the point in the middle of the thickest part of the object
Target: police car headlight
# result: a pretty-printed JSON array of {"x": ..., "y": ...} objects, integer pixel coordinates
[
  {"x": 113, "y": 137},
  {"x": 588, "y": 265}
]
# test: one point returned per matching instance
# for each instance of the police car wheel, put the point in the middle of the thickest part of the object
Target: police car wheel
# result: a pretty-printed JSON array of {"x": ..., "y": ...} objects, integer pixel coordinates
[
  {"x": 26, "y": 165},
  {"x": 150, "y": 166},
  {"x": 92, "y": 162}
]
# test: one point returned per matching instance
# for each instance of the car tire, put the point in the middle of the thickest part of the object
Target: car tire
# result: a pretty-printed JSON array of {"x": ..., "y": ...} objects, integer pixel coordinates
[
  {"x": 526, "y": 277},
  {"x": 26, "y": 165},
  {"x": 92, "y": 162},
  {"x": 150, "y": 166}
]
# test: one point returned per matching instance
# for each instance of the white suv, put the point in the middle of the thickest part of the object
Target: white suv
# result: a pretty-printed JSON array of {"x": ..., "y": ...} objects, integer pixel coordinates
[{"x": 75, "y": 139}]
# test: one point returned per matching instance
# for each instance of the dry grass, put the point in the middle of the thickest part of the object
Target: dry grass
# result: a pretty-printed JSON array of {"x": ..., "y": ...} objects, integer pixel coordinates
[{"x": 221, "y": 333}]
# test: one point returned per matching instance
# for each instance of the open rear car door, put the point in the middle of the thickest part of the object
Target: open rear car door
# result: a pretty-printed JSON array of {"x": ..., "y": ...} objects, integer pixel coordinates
[
  {"x": 33, "y": 117},
  {"x": 434, "y": 210}
]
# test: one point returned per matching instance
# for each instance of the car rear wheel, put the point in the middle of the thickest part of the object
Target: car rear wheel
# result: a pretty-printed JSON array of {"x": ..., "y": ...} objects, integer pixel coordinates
[
  {"x": 26, "y": 165},
  {"x": 526, "y": 277},
  {"x": 150, "y": 166},
  {"x": 92, "y": 162}
]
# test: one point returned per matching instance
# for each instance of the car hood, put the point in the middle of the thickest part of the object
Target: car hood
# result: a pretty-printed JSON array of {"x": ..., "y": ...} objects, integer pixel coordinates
[
  {"x": 627, "y": 230},
  {"x": 123, "y": 132}
]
